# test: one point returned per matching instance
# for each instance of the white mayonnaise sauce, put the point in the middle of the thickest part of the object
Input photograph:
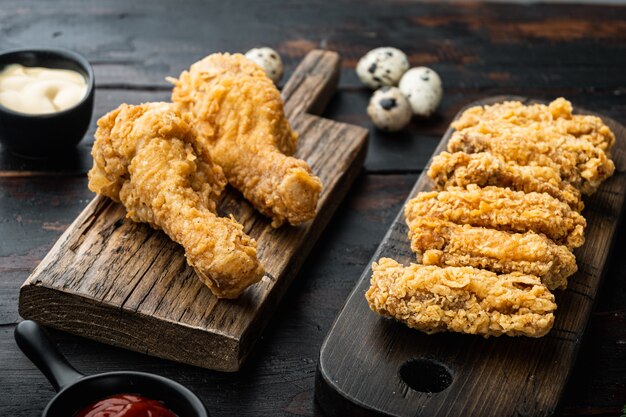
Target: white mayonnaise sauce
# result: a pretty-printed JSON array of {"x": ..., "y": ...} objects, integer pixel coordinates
[{"x": 37, "y": 90}]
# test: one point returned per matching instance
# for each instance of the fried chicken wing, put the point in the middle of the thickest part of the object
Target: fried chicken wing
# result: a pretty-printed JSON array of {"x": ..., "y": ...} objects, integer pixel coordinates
[
  {"x": 238, "y": 113},
  {"x": 443, "y": 243},
  {"x": 146, "y": 158},
  {"x": 577, "y": 161},
  {"x": 461, "y": 299},
  {"x": 502, "y": 209},
  {"x": 483, "y": 169},
  {"x": 558, "y": 114}
]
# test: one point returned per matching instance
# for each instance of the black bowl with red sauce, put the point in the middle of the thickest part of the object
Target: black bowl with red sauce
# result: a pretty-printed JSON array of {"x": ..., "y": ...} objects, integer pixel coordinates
[
  {"x": 90, "y": 389},
  {"x": 126, "y": 405},
  {"x": 76, "y": 393}
]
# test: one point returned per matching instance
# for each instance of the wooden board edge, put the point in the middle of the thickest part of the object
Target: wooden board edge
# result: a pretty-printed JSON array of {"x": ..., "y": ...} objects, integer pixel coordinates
[
  {"x": 592, "y": 305},
  {"x": 86, "y": 212},
  {"x": 214, "y": 348},
  {"x": 612, "y": 123},
  {"x": 231, "y": 351},
  {"x": 315, "y": 96},
  {"x": 256, "y": 326},
  {"x": 326, "y": 389},
  {"x": 333, "y": 402}
]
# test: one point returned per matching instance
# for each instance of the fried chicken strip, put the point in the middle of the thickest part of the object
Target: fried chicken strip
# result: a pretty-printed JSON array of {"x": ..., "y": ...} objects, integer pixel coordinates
[
  {"x": 238, "y": 113},
  {"x": 483, "y": 169},
  {"x": 577, "y": 161},
  {"x": 558, "y": 113},
  {"x": 443, "y": 243},
  {"x": 502, "y": 209},
  {"x": 461, "y": 299},
  {"x": 146, "y": 158}
]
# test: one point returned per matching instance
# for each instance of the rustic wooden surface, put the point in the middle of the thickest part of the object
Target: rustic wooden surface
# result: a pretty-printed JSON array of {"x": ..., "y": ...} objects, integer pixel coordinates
[
  {"x": 126, "y": 284},
  {"x": 539, "y": 50},
  {"x": 359, "y": 369}
]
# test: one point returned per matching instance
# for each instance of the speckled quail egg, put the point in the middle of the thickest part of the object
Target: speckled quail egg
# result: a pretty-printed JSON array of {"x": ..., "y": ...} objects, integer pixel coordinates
[
  {"x": 389, "y": 109},
  {"x": 382, "y": 66},
  {"x": 422, "y": 86},
  {"x": 269, "y": 60}
]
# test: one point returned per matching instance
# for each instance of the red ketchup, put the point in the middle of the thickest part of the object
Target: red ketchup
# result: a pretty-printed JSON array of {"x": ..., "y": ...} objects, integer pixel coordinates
[{"x": 126, "y": 405}]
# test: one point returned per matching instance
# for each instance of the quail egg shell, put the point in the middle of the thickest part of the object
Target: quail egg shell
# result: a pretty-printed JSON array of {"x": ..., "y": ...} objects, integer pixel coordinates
[
  {"x": 382, "y": 66},
  {"x": 269, "y": 60},
  {"x": 389, "y": 109},
  {"x": 422, "y": 86}
]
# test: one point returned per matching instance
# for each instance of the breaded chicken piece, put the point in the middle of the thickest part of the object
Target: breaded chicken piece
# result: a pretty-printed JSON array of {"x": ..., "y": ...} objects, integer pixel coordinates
[
  {"x": 238, "y": 113},
  {"x": 483, "y": 169},
  {"x": 146, "y": 158},
  {"x": 467, "y": 300},
  {"x": 502, "y": 209},
  {"x": 443, "y": 243},
  {"x": 577, "y": 161},
  {"x": 558, "y": 113}
]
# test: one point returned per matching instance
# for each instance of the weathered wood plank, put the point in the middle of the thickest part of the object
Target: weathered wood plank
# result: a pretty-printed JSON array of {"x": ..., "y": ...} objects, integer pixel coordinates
[
  {"x": 407, "y": 151},
  {"x": 358, "y": 370},
  {"x": 131, "y": 48},
  {"x": 129, "y": 285},
  {"x": 469, "y": 45},
  {"x": 579, "y": 53},
  {"x": 278, "y": 378}
]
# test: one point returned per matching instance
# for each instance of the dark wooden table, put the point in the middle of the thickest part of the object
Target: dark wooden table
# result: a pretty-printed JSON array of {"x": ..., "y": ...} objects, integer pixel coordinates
[{"x": 537, "y": 50}]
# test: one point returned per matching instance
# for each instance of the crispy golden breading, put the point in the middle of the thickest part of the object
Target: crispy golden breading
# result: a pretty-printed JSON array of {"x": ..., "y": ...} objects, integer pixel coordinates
[
  {"x": 443, "y": 243},
  {"x": 146, "y": 158},
  {"x": 558, "y": 114},
  {"x": 461, "y": 299},
  {"x": 238, "y": 113},
  {"x": 502, "y": 209},
  {"x": 533, "y": 163},
  {"x": 577, "y": 161},
  {"x": 483, "y": 169}
]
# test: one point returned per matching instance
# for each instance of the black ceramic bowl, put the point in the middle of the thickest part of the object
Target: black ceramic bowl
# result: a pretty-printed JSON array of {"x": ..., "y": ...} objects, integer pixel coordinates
[
  {"x": 77, "y": 391},
  {"x": 52, "y": 133}
]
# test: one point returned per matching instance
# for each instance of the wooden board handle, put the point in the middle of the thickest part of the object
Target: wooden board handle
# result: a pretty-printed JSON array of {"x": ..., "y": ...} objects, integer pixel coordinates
[
  {"x": 126, "y": 284},
  {"x": 371, "y": 366},
  {"x": 312, "y": 84}
]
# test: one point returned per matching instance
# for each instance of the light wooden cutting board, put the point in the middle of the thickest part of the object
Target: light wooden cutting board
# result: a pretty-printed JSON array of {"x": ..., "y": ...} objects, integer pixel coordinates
[{"x": 125, "y": 284}]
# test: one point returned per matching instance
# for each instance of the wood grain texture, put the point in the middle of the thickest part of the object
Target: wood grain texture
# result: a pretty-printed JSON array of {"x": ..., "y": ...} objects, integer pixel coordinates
[
  {"x": 471, "y": 45},
  {"x": 401, "y": 152},
  {"x": 132, "y": 45},
  {"x": 360, "y": 359},
  {"x": 126, "y": 284},
  {"x": 278, "y": 377},
  {"x": 575, "y": 51}
]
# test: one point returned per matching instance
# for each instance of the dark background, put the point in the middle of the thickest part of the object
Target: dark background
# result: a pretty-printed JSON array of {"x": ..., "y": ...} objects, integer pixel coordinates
[{"x": 538, "y": 50}]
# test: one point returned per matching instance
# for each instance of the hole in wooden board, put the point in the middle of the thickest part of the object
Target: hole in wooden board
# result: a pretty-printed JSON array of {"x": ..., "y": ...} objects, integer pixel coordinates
[{"x": 426, "y": 375}]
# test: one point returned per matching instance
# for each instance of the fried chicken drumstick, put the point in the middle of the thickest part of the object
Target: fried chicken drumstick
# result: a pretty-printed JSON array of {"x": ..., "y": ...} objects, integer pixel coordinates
[
  {"x": 483, "y": 169},
  {"x": 502, "y": 209},
  {"x": 238, "y": 113},
  {"x": 443, "y": 243},
  {"x": 466, "y": 300},
  {"x": 147, "y": 158}
]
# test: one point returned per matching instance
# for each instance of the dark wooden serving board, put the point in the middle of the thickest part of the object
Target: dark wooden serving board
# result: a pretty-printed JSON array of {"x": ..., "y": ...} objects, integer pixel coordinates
[
  {"x": 359, "y": 369},
  {"x": 126, "y": 284}
]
